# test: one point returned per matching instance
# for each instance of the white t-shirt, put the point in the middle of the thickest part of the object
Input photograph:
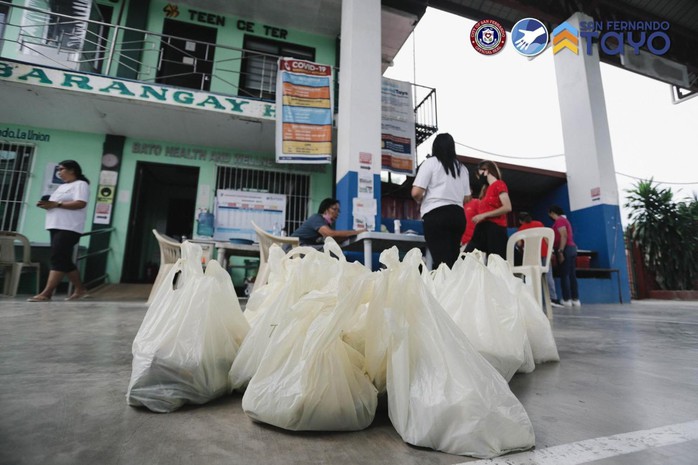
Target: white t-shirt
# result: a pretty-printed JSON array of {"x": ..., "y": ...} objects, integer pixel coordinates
[
  {"x": 441, "y": 188},
  {"x": 62, "y": 218}
]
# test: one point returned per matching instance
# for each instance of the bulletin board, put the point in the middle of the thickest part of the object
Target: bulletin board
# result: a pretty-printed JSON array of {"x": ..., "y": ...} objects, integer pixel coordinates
[{"x": 236, "y": 209}]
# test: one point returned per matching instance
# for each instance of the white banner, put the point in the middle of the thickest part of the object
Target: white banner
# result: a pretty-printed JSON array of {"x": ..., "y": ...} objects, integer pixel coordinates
[
  {"x": 235, "y": 210},
  {"x": 398, "y": 154}
]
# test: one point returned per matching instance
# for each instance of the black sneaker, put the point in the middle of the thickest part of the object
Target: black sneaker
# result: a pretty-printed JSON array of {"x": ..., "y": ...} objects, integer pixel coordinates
[{"x": 556, "y": 303}]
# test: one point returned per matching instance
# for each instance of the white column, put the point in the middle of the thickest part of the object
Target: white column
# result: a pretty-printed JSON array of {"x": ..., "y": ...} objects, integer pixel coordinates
[
  {"x": 591, "y": 175},
  {"x": 359, "y": 118},
  {"x": 591, "y": 179}
]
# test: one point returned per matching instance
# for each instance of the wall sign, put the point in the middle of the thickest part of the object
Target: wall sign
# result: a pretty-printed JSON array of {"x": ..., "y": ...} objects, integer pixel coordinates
[{"x": 132, "y": 90}]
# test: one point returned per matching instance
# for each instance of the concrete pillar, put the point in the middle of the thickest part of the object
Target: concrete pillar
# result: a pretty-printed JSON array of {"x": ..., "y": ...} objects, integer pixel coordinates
[
  {"x": 359, "y": 118},
  {"x": 591, "y": 180}
]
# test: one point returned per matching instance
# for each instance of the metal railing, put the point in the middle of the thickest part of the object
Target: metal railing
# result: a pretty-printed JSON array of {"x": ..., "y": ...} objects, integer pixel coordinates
[
  {"x": 119, "y": 51},
  {"x": 425, "y": 113},
  {"x": 78, "y": 258},
  {"x": 107, "y": 47}
]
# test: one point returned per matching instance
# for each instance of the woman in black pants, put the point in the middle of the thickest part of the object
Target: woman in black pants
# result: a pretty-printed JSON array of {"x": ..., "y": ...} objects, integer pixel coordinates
[
  {"x": 66, "y": 213},
  {"x": 441, "y": 188}
]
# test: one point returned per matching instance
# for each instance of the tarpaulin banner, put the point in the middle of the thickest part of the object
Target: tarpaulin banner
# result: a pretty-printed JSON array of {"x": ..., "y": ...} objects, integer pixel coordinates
[
  {"x": 304, "y": 107},
  {"x": 398, "y": 154}
]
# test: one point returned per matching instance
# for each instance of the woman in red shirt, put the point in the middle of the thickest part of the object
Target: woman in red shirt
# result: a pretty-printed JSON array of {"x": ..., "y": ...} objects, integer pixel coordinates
[
  {"x": 490, "y": 234},
  {"x": 566, "y": 254}
]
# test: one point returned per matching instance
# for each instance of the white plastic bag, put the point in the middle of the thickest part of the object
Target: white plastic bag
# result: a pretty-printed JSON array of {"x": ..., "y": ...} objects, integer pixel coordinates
[
  {"x": 441, "y": 393},
  {"x": 189, "y": 337},
  {"x": 309, "y": 377},
  {"x": 292, "y": 276},
  {"x": 540, "y": 334},
  {"x": 483, "y": 307}
]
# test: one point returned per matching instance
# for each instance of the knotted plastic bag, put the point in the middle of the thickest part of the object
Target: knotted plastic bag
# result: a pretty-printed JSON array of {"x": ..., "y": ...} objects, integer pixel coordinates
[
  {"x": 292, "y": 276},
  {"x": 442, "y": 393},
  {"x": 309, "y": 378},
  {"x": 189, "y": 337},
  {"x": 483, "y": 307},
  {"x": 540, "y": 334}
]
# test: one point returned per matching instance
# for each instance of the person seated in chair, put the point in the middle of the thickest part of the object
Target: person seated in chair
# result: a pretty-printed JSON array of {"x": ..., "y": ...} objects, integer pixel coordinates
[{"x": 317, "y": 227}]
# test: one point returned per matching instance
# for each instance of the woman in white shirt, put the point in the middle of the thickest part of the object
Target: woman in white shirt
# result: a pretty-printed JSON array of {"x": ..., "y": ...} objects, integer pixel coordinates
[
  {"x": 441, "y": 188},
  {"x": 66, "y": 212}
]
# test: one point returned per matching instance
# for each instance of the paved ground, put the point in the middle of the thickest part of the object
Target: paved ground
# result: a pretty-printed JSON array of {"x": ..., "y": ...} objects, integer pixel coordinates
[{"x": 628, "y": 378}]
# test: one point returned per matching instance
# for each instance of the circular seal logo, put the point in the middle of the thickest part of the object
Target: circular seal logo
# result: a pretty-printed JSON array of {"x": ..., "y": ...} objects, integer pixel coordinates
[
  {"x": 530, "y": 37},
  {"x": 488, "y": 37}
]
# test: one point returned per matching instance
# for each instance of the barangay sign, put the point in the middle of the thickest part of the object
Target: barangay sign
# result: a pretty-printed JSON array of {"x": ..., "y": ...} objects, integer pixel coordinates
[{"x": 132, "y": 90}]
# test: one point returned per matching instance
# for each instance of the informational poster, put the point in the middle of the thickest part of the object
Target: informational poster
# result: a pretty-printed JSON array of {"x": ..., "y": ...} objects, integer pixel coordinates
[
  {"x": 364, "y": 210},
  {"x": 51, "y": 179},
  {"x": 236, "y": 209},
  {"x": 398, "y": 153},
  {"x": 105, "y": 196},
  {"x": 365, "y": 175},
  {"x": 304, "y": 112}
]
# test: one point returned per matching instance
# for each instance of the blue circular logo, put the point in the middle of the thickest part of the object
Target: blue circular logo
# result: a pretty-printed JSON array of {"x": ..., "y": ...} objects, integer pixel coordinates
[{"x": 529, "y": 36}]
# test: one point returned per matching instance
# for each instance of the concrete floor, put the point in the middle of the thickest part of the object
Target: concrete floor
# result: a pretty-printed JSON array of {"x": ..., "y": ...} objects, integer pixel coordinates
[{"x": 628, "y": 377}]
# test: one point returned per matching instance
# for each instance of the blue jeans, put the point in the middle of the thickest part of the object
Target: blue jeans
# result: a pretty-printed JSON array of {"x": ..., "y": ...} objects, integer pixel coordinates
[{"x": 568, "y": 274}]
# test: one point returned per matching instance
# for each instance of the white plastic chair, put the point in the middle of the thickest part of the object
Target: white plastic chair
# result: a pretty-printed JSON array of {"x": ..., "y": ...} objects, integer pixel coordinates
[
  {"x": 13, "y": 267},
  {"x": 532, "y": 268},
  {"x": 265, "y": 241},
  {"x": 170, "y": 252}
]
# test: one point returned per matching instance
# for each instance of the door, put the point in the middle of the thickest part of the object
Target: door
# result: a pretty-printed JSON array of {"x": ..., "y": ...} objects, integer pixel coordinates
[
  {"x": 186, "y": 55},
  {"x": 164, "y": 198}
]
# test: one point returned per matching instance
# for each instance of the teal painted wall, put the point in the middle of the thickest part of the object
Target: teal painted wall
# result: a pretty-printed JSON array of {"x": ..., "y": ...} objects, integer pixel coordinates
[
  {"x": 54, "y": 147},
  {"x": 226, "y": 75},
  {"x": 321, "y": 185}
]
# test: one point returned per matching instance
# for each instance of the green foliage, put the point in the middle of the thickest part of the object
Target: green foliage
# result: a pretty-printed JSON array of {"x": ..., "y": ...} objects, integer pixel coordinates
[{"x": 667, "y": 233}]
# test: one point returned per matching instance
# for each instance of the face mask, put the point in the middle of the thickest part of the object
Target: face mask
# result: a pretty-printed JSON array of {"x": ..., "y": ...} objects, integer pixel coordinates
[
  {"x": 327, "y": 217},
  {"x": 482, "y": 178}
]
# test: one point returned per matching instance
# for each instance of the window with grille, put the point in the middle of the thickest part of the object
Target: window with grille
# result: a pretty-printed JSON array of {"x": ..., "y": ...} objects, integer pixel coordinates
[
  {"x": 15, "y": 161},
  {"x": 260, "y": 62},
  {"x": 57, "y": 31},
  {"x": 296, "y": 188}
]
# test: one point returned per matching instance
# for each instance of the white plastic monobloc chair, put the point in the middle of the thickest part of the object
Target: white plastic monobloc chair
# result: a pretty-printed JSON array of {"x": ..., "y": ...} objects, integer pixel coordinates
[
  {"x": 532, "y": 267},
  {"x": 14, "y": 267},
  {"x": 265, "y": 242},
  {"x": 170, "y": 252}
]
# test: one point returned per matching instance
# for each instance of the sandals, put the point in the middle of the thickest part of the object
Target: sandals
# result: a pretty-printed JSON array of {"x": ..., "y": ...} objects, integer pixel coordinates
[{"x": 40, "y": 298}]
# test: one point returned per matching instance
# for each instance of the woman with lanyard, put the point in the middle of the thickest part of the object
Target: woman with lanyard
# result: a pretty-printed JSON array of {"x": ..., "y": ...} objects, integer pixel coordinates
[
  {"x": 490, "y": 234},
  {"x": 317, "y": 227}
]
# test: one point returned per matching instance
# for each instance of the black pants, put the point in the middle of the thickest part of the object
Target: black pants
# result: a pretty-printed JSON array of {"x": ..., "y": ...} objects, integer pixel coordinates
[
  {"x": 443, "y": 228},
  {"x": 489, "y": 237},
  {"x": 62, "y": 246}
]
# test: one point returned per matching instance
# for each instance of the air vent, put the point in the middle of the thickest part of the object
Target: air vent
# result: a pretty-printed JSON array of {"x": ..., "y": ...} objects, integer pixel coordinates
[{"x": 655, "y": 67}]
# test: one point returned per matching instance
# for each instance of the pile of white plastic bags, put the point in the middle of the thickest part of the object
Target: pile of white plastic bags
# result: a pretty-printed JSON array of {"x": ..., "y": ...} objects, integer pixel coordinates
[{"x": 324, "y": 338}]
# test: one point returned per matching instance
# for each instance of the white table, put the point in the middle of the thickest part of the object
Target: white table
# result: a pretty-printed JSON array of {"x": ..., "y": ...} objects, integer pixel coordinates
[
  {"x": 372, "y": 241},
  {"x": 226, "y": 249}
]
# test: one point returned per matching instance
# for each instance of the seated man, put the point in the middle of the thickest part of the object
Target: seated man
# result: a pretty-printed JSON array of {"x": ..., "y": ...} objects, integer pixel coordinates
[{"x": 319, "y": 226}]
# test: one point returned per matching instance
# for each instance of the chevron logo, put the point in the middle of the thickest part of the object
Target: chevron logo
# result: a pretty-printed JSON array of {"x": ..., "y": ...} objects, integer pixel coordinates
[{"x": 566, "y": 36}]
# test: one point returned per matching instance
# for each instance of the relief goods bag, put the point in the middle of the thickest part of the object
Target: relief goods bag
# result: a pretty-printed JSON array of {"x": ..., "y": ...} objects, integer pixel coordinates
[{"x": 189, "y": 337}]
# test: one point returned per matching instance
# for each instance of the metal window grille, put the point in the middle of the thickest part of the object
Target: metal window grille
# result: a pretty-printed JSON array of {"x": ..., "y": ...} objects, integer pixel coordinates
[
  {"x": 15, "y": 161},
  {"x": 260, "y": 62},
  {"x": 296, "y": 187}
]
